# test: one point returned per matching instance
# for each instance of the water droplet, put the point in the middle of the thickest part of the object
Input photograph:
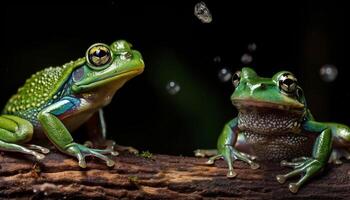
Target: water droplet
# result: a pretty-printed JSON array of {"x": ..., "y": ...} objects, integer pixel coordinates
[
  {"x": 217, "y": 59},
  {"x": 328, "y": 73},
  {"x": 246, "y": 58},
  {"x": 224, "y": 74},
  {"x": 251, "y": 47},
  {"x": 172, "y": 87},
  {"x": 202, "y": 12}
]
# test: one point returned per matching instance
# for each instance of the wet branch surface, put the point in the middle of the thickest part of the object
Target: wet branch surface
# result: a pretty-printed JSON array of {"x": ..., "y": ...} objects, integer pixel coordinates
[{"x": 160, "y": 177}]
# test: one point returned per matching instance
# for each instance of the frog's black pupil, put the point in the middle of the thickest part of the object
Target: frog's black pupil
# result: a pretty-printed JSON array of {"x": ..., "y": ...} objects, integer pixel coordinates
[
  {"x": 235, "y": 77},
  {"x": 288, "y": 82},
  {"x": 100, "y": 53}
]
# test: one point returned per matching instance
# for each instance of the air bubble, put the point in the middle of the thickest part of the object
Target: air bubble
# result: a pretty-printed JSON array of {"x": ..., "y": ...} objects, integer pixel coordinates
[
  {"x": 202, "y": 12},
  {"x": 246, "y": 58},
  {"x": 172, "y": 87},
  {"x": 224, "y": 75},
  {"x": 328, "y": 73},
  {"x": 252, "y": 47},
  {"x": 217, "y": 59}
]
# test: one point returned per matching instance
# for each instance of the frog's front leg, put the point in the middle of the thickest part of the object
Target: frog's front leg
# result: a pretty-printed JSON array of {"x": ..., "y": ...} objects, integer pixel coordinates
[
  {"x": 60, "y": 136},
  {"x": 15, "y": 131},
  {"x": 96, "y": 128},
  {"x": 226, "y": 142},
  {"x": 307, "y": 166}
]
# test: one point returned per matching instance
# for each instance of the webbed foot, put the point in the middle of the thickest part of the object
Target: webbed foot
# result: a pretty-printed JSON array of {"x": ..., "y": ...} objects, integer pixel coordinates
[
  {"x": 307, "y": 167},
  {"x": 230, "y": 154},
  {"x": 81, "y": 151}
]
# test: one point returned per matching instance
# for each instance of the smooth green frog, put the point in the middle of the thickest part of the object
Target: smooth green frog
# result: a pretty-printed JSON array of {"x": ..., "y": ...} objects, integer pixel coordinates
[
  {"x": 58, "y": 100},
  {"x": 274, "y": 123}
]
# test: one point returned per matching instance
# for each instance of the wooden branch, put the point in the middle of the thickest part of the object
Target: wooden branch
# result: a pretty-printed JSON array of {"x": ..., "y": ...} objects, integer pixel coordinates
[{"x": 160, "y": 177}]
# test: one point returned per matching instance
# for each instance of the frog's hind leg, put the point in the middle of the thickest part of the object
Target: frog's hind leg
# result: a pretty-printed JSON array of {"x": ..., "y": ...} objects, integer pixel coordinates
[
  {"x": 15, "y": 130},
  {"x": 341, "y": 143}
]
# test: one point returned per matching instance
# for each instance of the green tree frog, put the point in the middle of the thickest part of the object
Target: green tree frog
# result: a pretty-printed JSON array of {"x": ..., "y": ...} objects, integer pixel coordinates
[
  {"x": 57, "y": 100},
  {"x": 274, "y": 123}
]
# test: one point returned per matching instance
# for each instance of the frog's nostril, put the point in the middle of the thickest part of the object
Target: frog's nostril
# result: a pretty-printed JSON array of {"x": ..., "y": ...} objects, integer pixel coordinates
[{"x": 263, "y": 86}]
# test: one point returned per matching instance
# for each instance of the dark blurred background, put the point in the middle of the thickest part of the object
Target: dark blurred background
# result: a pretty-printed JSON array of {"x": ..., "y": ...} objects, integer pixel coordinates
[{"x": 177, "y": 46}]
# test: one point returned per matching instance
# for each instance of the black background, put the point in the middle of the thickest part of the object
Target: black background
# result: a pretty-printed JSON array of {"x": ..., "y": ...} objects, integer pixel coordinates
[{"x": 299, "y": 37}]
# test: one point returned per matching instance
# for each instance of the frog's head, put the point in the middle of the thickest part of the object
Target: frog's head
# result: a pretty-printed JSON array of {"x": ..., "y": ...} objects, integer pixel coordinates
[
  {"x": 107, "y": 67},
  {"x": 281, "y": 92}
]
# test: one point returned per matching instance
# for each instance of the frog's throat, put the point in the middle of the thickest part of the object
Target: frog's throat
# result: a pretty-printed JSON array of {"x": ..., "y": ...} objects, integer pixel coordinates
[
  {"x": 123, "y": 77},
  {"x": 242, "y": 104}
]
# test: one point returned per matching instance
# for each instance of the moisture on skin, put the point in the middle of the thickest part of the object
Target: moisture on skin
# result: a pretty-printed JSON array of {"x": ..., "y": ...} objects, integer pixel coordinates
[
  {"x": 274, "y": 123},
  {"x": 58, "y": 100}
]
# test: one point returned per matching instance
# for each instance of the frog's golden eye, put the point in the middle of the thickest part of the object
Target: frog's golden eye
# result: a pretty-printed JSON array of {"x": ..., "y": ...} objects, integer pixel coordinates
[
  {"x": 236, "y": 77},
  {"x": 98, "y": 55},
  {"x": 288, "y": 83}
]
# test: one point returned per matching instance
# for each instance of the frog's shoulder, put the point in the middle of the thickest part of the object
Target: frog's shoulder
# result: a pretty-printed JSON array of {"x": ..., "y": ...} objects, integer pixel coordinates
[{"x": 41, "y": 87}]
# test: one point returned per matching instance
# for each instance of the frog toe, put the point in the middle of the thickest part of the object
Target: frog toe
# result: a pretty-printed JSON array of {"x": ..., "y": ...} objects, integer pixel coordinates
[
  {"x": 231, "y": 174},
  {"x": 281, "y": 178},
  {"x": 39, "y": 156},
  {"x": 293, "y": 187},
  {"x": 212, "y": 159}
]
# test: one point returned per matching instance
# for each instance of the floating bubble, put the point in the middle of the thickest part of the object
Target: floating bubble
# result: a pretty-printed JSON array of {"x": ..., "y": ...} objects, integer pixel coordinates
[
  {"x": 224, "y": 75},
  {"x": 217, "y": 59},
  {"x": 202, "y": 12},
  {"x": 246, "y": 58},
  {"x": 172, "y": 87},
  {"x": 328, "y": 73},
  {"x": 251, "y": 47}
]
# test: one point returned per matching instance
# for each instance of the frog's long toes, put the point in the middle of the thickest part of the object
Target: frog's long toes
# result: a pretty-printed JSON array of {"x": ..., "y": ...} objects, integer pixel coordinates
[
  {"x": 293, "y": 187},
  {"x": 281, "y": 178},
  {"x": 231, "y": 174}
]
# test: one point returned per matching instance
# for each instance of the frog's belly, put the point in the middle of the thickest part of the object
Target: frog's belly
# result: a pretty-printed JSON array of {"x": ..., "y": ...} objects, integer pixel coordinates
[{"x": 278, "y": 147}]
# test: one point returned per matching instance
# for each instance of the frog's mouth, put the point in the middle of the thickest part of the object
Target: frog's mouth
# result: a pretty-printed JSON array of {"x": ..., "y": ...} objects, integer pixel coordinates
[
  {"x": 116, "y": 80},
  {"x": 242, "y": 104}
]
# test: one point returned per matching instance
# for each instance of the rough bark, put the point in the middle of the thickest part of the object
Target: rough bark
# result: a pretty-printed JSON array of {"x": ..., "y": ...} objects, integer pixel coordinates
[{"x": 160, "y": 177}]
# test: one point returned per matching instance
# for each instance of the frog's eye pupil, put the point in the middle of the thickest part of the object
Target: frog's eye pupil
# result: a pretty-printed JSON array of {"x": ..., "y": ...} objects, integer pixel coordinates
[
  {"x": 236, "y": 77},
  {"x": 99, "y": 55}
]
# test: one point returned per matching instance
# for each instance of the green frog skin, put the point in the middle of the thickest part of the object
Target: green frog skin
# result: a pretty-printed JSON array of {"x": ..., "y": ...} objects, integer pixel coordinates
[
  {"x": 57, "y": 100},
  {"x": 274, "y": 124}
]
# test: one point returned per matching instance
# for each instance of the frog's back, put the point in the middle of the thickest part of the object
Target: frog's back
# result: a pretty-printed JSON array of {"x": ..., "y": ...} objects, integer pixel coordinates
[{"x": 39, "y": 91}]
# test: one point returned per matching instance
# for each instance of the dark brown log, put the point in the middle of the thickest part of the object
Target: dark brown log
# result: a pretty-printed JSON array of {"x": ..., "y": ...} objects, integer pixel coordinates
[{"x": 160, "y": 177}]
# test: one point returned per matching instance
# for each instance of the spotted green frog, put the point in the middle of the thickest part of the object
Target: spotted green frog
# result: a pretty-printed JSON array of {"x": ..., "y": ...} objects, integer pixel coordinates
[
  {"x": 274, "y": 123},
  {"x": 57, "y": 100}
]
